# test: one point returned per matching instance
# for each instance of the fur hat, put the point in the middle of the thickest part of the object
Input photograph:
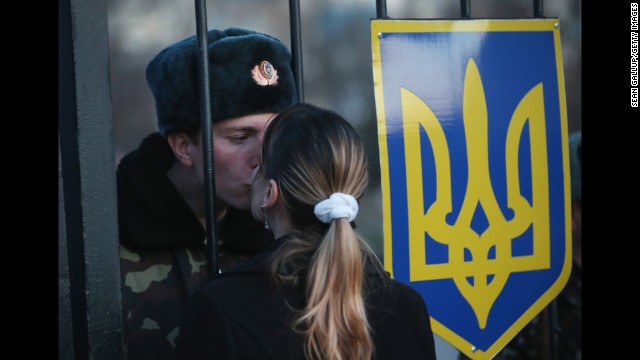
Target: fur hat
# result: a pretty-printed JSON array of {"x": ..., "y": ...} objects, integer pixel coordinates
[{"x": 249, "y": 73}]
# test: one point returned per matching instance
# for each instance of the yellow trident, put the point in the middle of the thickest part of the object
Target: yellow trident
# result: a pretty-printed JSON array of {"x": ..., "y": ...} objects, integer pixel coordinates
[{"x": 488, "y": 275}]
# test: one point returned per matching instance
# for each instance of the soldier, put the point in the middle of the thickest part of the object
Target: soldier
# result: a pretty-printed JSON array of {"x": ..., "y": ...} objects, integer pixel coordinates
[{"x": 161, "y": 196}]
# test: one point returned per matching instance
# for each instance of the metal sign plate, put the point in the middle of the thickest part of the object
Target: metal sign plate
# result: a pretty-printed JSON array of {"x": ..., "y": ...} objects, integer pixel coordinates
[{"x": 475, "y": 174}]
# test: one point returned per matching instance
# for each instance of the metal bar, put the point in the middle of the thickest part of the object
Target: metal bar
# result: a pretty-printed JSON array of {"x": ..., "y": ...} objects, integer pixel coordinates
[
  {"x": 538, "y": 12},
  {"x": 554, "y": 330},
  {"x": 296, "y": 46},
  {"x": 71, "y": 181},
  {"x": 381, "y": 9},
  {"x": 65, "y": 324},
  {"x": 538, "y": 9},
  {"x": 465, "y": 9},
  {"x": 207, "y": 135},
  {"x": 87, "y": 163}
]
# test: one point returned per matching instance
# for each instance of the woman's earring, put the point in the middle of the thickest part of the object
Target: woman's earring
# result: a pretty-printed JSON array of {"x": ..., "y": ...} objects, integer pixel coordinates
[{"x": 266, "y": 221}]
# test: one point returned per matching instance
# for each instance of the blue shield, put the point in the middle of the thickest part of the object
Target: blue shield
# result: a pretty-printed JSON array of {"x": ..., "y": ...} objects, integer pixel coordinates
[{"x": 475, "y": 174}]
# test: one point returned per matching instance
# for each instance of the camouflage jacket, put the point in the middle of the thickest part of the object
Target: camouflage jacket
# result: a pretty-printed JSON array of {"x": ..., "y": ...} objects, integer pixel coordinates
[{"x": 163, "y": 257}]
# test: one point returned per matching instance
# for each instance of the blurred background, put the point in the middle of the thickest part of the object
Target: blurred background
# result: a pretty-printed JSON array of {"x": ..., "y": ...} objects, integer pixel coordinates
[{"x": 337, "y": 67}]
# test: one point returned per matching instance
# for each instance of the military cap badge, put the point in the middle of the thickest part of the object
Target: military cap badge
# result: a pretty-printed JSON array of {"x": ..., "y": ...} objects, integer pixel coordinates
[{"x": 264, "y": 74}]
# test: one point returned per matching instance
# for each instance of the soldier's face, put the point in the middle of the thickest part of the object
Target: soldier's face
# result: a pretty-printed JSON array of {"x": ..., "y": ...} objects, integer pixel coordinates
[{"x": 236, "y": 149}]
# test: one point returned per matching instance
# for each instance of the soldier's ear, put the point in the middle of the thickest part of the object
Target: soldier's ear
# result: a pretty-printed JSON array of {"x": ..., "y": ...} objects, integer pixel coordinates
[{"x": 181, "y": 145}]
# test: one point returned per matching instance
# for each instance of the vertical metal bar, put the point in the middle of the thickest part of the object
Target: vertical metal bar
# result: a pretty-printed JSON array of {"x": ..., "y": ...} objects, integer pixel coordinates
[
  {"x": 65, "y": 324},
  {"x": 538, "y": 9},
  {"x": 381, "y": 9},
  {"x": 207, "y": 132},
  {"x": 538, "y": 12},
  {"x": 87, "y": 162},
  {"x": 554, "y": 330},
  {"x": 296, "y": 46},
  {"x": 465, "y": 9},
  {"x": 70, "y": 180}
]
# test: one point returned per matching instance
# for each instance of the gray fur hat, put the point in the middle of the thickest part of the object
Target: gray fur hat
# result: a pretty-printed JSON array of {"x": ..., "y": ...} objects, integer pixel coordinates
[{"x": 249, "y": 73}]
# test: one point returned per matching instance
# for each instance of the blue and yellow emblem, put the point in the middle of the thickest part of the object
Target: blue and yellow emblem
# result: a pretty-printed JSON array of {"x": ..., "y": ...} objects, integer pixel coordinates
[{"x": 475, "y": 173}]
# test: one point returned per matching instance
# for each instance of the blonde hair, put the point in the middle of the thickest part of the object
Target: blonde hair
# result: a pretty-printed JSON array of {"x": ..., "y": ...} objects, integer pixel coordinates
[{"x": 312, "y": 153}]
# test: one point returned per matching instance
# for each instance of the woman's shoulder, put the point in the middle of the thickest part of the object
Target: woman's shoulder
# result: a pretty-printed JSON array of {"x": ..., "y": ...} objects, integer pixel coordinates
[
  {"x": 403, "y": 288},
  {"x": 394, "y": 298},
  {"x": 401, "y": 324},
  {"x": 405, "y": 294},
  {"x": 236, "y": 280}
]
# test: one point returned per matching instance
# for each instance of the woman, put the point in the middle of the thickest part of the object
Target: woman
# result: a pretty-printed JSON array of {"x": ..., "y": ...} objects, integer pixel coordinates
[{"x": 318, "y": 292}]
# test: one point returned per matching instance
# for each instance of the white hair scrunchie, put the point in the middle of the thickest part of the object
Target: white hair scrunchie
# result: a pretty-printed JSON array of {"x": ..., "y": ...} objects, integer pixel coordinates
[{"x": 338, "y": 205}]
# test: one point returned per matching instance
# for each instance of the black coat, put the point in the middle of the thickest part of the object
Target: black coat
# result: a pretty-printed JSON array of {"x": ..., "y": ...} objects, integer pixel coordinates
[
  {"x": 163, "y": 257},
  {"x": 241, "y": 315}
]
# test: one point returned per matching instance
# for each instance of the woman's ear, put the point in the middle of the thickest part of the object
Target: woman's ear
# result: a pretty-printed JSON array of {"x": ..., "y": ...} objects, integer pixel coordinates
[
  {"x": 271, "y": 195},
  {"x": 180, "y": 144}
]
